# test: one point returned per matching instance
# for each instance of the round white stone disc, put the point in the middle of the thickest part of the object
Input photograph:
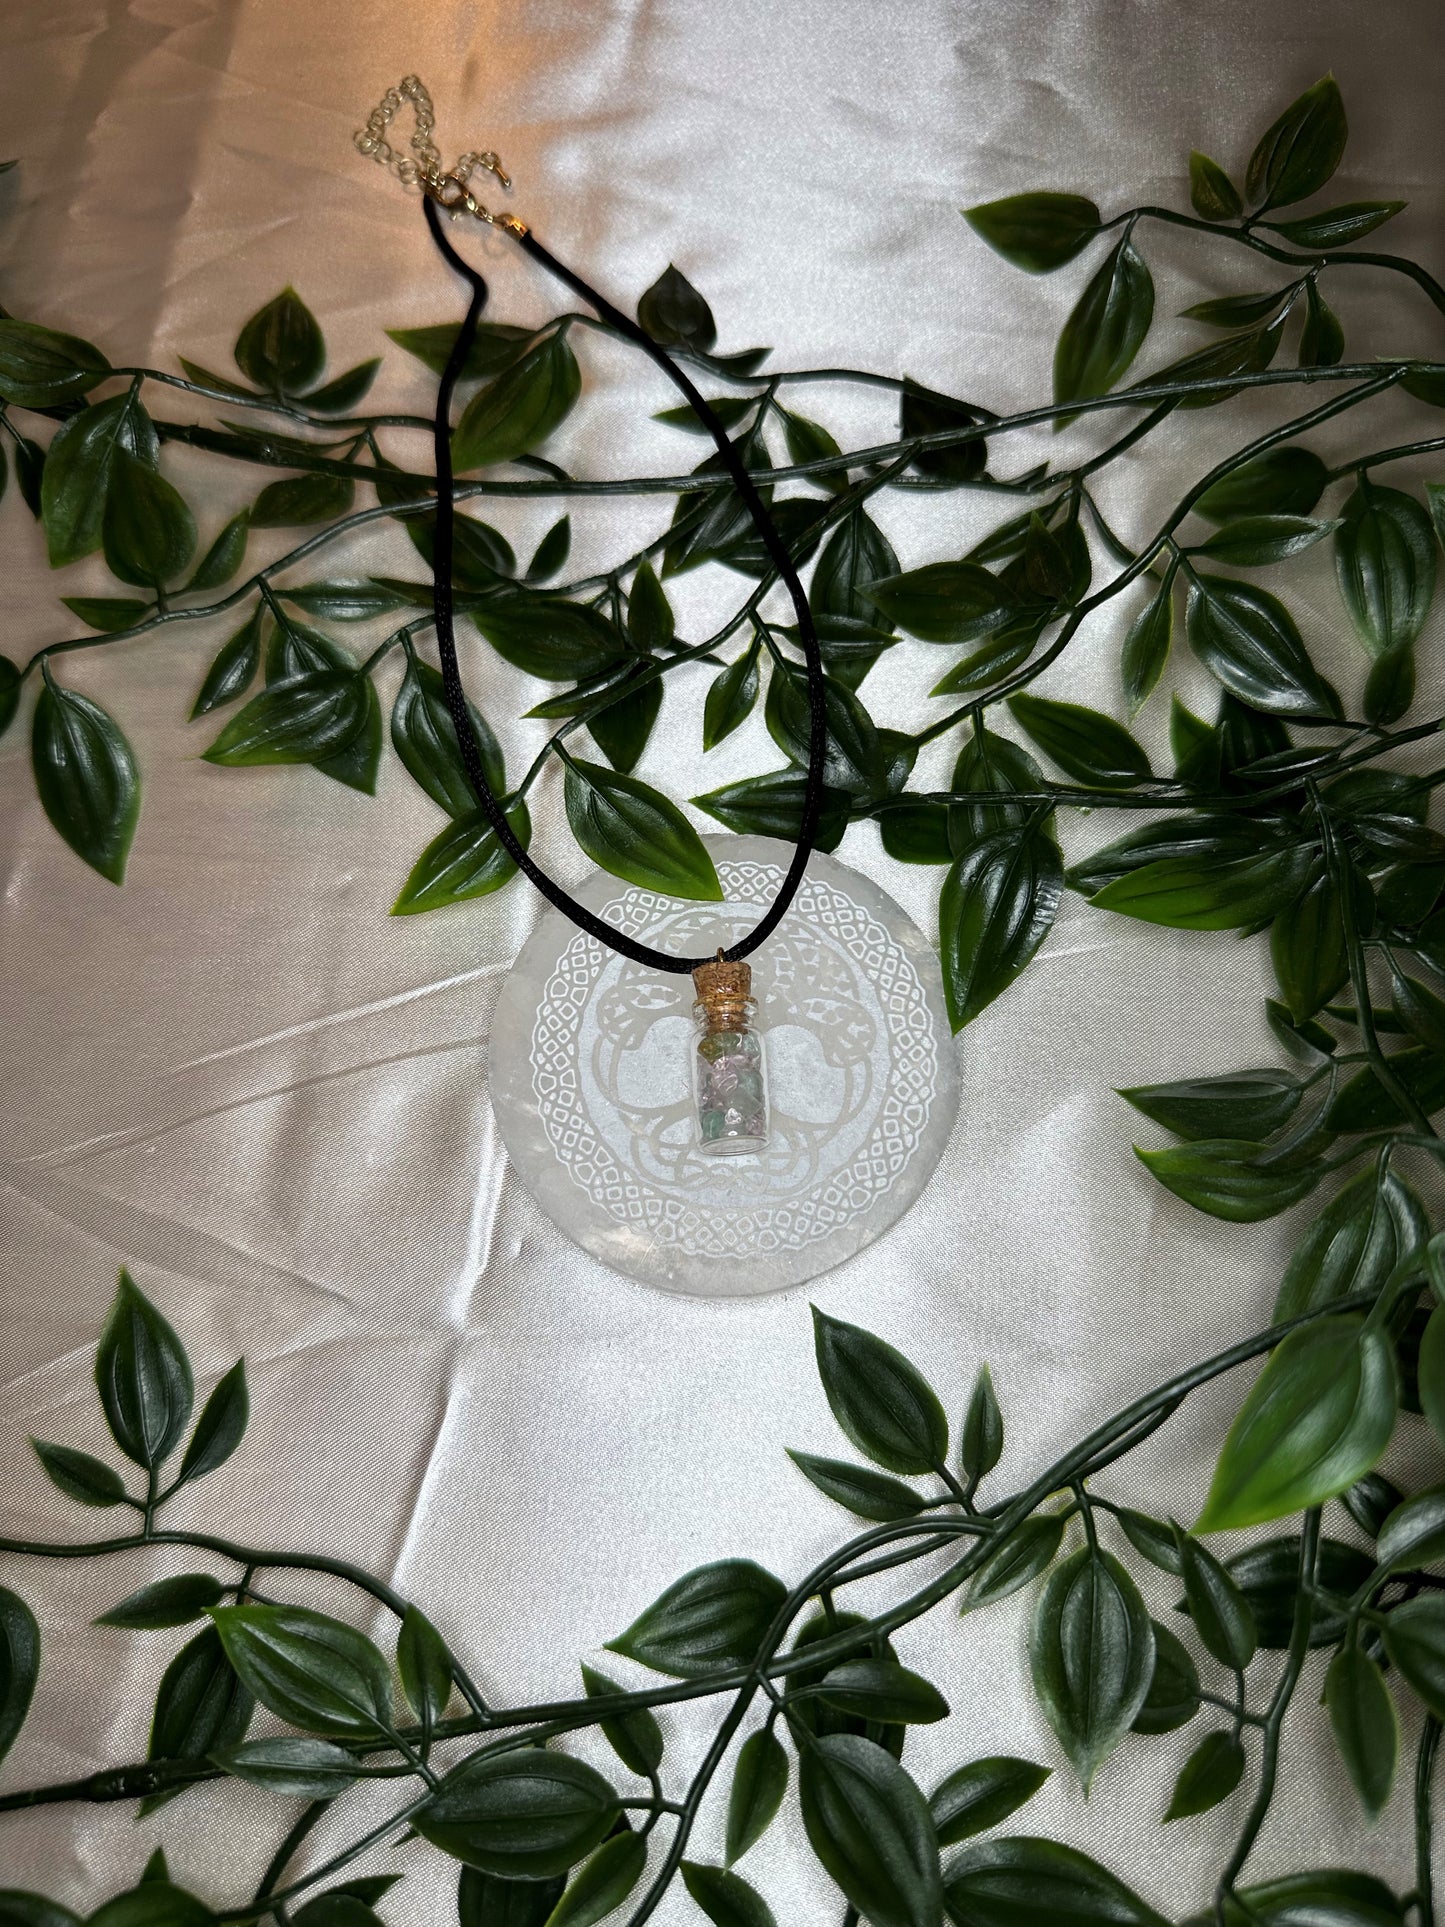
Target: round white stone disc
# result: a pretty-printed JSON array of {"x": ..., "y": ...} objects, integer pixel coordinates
[{"x": 591, "y": 1078}]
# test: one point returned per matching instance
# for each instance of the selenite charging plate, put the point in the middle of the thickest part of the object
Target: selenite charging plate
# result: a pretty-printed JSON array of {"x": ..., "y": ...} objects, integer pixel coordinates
[{"x": 591, "y": 1078}]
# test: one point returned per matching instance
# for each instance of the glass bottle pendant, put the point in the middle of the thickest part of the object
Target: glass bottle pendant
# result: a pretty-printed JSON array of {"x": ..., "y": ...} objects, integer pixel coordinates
[{"x": 729, "y": 1077}]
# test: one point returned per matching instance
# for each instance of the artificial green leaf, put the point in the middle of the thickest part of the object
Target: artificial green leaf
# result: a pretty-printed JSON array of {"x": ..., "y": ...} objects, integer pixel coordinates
[
  {"x": 1151, "y": 1538},
  {"x": 1194, "y": 893},
  {"x": 551, "y": 552},
  {"x": 1370, "y": 1501},
  {"x": 866, "y": 1494},
  {"x": 1106, "y": 328},
  {"x": 881, "y": 1689},
  {"x": 425, "y": 1667},
  {"x": 343, "y": 602},
  {"x": 1301, "y": 150},
  {"x": 1248, "y": 640},
  {"x": 299, "y": 501},
  {"x": 651, "y": 625},
  {"x": 309, "y": 1670},
  {"x": 807, "y": 442},
  {"x": 1322, "y": 338},
  {"x": 772, "y": 805},
  {"x": 1038, "y": 232},
  {"x": 286, "y": 1763},
  {"x": 1146, "y": 647},
  {"x": 166, "y": 1602},
  {"x": 980, "y": 1442},
  {"x": 143, "y": 1377},
  {"x": 1251, "y": 541},
  {"x": 9, "y": 693},
  {"x": 1021, "y": 1555},
  {"x": 523, "y": 1816},
  {"x": 1268, "y": 1575},
  {"x": 1365, "y": 1105},
  {"x": 1229, "y": 1178},
  {"x": 675, "y": 314},
  {"x": 89, "y": 1481},
  {"x": 602, "y": 1882},
  {"x": 1210, "y": 1774},
  {"x": 1213, "y": 195},
  {"x": 465, "y": 861},
  {"x": 30, "y": 463},
  {"x": 1336, "y": 227},
  {"x": 153, "y": 1904},
  {"x": 224, "y": 557},
  {"x": 1091, "y": 1651},
  {"x": 1027, "y": 1882},
  {"x": 1282, "y": 481},
  {"x": 730, "y": 697},
  {"x": 725, "y": 1897},
  {"x": 341, "y": 394},
  {"x": 1353, "y": 1245},
  {"x": 856, "y": 553},
  {"x": 997, "y": 660},
  {"x": 1086, "y": 744},
  {"x": 854, "y": 757},
  {"x": 635, "y": 833},
  {"x": 1385, "y": 564},
  {"x": 916, "y": 831},
  {"x": 281, "y": 348},
  {"x": 981, "y": 1795},
  {"x": 881, "y": 1401},
  {"x": 520, "y": 409},
  {"x": 997, "y": 905},
  {"x": 148, "y": 533},
  {"x": 21, "y": 1909},
  {"x": 19, "y": 1665},
  {"x": 1217, "y": 365},
  {"x": 621, "y": 730},
  {"x": 489, "y": 1900},
  {"x": 1307, "y": 947},
  {"x": 1252, "y": 1104},
  {"x": 1173, "y": 1697},
  {"x": 75, "y": 482},
  {"x": 1414, "y": 1532},
  {"x": 1317, "y": 1418},
  {"x": 760, "y": 1779},
  {"x": 945, "y": 602},
  {"x": 1390, "y": 686},
  {"x": 1236, "y": 310},
  {"x": 304, "y": 719},
  {"x": 1415, "y": 1643},
  {"x": 425, "y": 738},
  {"x": 207, "y": 378},
  {"x": 922, "y": 412},
  {"x": 234, "y": 669},
  {"x": 220, "y": 1427},
  {"x": 41, "y": 368},
  {"x": 482, "y": 558},
  {"x": 716, "y": 1616},
  {"x": 555, "y": 640},
  {"x": 729, "y": 410},
  {"x": 107, "y": 613},
  {"x": 871, "y": 1829},
  {"x": 990, "y": 763},
  {"x": 1431, "y": 1372},
  {"x": 496, "y": 346},
  {"x": 635, "y": 1737},
  {"x": 201, "y": 1707},
  {"x": 1364, "y": 1723},
  {"x": 1220, "y": 1611}
]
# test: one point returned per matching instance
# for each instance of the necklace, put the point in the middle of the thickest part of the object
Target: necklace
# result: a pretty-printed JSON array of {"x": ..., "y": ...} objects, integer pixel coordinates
[{"x": 729, "y": 1076}]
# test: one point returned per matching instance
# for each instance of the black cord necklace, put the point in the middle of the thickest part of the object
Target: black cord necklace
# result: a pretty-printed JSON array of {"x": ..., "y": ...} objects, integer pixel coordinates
[{"x": 730, "y": 1094}]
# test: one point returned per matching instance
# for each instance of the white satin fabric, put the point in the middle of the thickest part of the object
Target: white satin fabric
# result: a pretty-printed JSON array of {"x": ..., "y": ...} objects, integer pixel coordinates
[{"x": 239, "y": 1077}]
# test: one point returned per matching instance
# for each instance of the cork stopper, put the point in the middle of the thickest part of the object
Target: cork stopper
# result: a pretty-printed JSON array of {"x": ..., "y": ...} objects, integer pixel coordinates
[{"x": 724, "y": 988}]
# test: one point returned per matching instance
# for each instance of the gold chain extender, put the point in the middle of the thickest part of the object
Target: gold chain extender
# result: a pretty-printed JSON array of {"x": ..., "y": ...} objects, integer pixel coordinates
[{"x": 447, "y": 187}]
